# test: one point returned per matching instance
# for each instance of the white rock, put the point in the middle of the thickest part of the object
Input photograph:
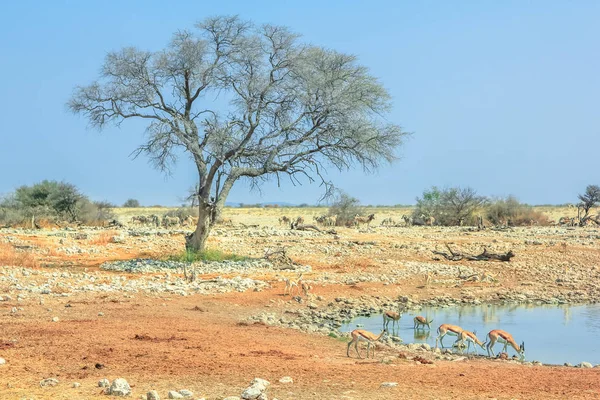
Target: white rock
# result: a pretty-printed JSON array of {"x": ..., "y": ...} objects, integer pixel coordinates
[
  {"x": 2, "y": 361},
  {"x": 55, "y": 319},
  {"x": 103, "y": 383},
  {"x": 152, "y": 395},
  {"x": 389, "y": 384},
  {"x": 186, "y": 393},
  {"x": 119, "y": 387},
  {"x": 261, "y": 383},
  {"x": 101, "y": 314},
  {"x": 49, "y": 382},
  {"x": 586, "y": 364},
  {"x": 174, "y": 395},
  {"x": 286, "y": 379},
  {"x": 251, "y": 393},
  {"x": 76, "y": 385}
]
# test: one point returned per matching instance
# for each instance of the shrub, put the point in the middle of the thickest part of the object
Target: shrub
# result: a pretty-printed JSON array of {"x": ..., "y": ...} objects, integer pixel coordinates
[
  {"x": 131, "y": 203},
  {"x": 51, "y": 202},
  {"x": 346, "y": 208},
  {"x": 449, "y": 207},
  {"x": 509, "y": 211}
]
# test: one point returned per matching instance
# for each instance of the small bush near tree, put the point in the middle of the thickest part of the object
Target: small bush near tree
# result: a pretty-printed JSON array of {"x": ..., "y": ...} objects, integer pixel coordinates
[
  {"x": 450, "y": 207},
  {"x": 346, "y": 208}
]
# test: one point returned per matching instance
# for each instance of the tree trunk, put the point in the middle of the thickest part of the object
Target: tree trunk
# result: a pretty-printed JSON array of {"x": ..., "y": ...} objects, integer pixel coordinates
[{"x": 196, "y": 241}]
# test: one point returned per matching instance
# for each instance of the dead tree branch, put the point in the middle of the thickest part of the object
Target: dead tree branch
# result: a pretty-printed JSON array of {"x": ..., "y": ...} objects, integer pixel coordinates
[{"x": 485, "y": 256}]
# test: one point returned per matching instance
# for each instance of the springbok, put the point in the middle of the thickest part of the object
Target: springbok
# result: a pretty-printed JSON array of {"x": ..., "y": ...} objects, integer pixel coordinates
[
  {"x": 392, "y": 316},
  {"x": 422, "y": 321},
  {"x": 447, "y": 329},
  {"x": 366, "y": 336},
  {"x": 291, "y": 284},
  {"x": 363, "y": 220},
  {"x": 470, "y": 337},
  {"x": 505, "y": 338}
]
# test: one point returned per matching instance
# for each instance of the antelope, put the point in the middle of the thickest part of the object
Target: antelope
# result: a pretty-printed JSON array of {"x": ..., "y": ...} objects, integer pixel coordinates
[
  {"x": 284, "y": 220},
  {"x": 420, "y": 320},
  {"x": 428, "y": 278},
  {"x": 388, "y": 222},
  {"x": 447, "y": 329},
  {"x": 154, "y": 219},
  {"x": 408, "y": 221},
  {"x": 564, "y": 221},
  {"x": 392, "y": 316},
  {"x": 363, "y": 220},
  {"x": 306, "y": 288},
  {"x": 291, "y": 284},
  {"x": 505, "y": 338},
  {"x": 428, "y": 220},
  {"x": 170, "y": 221},
  {"x": 360, "y": 334},
  {"x": 470, "y": 337},
  {"x": 188, "y": 221},
  {"x": 299, "y": 221},
  {"x": 142, "y": 219}
]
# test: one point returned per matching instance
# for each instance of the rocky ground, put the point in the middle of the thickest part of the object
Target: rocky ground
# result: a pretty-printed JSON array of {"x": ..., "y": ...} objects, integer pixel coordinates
[{"x": 84, "y": 305}]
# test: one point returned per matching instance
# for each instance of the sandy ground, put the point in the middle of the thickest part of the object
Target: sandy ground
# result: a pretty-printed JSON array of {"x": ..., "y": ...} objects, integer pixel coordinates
[{"x": 168, "y": 342}]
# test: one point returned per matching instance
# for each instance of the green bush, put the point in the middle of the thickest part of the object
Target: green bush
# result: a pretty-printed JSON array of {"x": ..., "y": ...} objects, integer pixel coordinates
[
  {"x": 346, "y": 208},
  {"x": 509, "y": 211},
  {"x": 450, "y": 207},
  {"x": 53, "y": 202}
]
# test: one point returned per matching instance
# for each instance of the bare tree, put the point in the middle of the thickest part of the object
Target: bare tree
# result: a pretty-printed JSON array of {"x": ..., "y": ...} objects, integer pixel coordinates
[
  {"x": 246, "y": 102},
  {"x": 589, "y": 200}
]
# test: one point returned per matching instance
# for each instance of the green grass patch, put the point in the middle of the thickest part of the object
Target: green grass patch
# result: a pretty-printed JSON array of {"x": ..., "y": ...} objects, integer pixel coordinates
[{"x": 206, "y": 255}]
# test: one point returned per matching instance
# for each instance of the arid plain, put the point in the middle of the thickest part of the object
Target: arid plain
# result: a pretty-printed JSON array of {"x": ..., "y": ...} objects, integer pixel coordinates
[{"x": 75, "y": 309}]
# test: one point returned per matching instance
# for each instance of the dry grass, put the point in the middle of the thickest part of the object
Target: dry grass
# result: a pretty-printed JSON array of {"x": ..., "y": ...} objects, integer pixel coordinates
[
  {"x": 271, "y": 215},
  {"x": 103, "y": 238},
  {"x": 10, "y": 256}
]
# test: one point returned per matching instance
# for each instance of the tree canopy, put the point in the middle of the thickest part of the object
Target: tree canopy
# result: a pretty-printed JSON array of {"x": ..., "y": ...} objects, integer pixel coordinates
[{"x": 245, "y": 101}]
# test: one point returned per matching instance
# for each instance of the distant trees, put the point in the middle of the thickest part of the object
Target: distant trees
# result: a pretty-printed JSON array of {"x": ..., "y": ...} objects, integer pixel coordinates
[
  {"x": 131, "y": 203},
  {"x": 53, "y": 201},
  {"x": 589, "y": 199}
]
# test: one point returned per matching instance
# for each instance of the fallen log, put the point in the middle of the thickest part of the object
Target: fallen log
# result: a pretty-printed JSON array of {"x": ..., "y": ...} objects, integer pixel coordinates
[{"x": 485, "y": 256}]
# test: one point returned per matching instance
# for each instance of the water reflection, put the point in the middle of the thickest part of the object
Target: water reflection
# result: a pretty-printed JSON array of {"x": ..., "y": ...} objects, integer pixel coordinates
[
  {"x": 553, "y": 334},
  {"x": 421, "y": 335}
]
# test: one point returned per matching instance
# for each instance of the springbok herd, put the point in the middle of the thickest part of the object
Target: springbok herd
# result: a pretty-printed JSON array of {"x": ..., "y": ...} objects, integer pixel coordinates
[{"x": 464, "y": 338}]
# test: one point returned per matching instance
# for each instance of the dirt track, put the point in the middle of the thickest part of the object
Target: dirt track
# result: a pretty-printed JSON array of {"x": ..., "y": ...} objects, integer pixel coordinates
[{"x": 200, "y": 342}]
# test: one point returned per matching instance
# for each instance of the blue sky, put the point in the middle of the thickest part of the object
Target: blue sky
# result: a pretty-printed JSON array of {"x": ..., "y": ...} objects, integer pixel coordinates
[{"x": 501, "y": 96}]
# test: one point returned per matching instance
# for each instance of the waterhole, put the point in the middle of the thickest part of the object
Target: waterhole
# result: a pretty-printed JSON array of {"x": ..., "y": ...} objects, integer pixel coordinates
[{"x": 552, "y": 334}]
